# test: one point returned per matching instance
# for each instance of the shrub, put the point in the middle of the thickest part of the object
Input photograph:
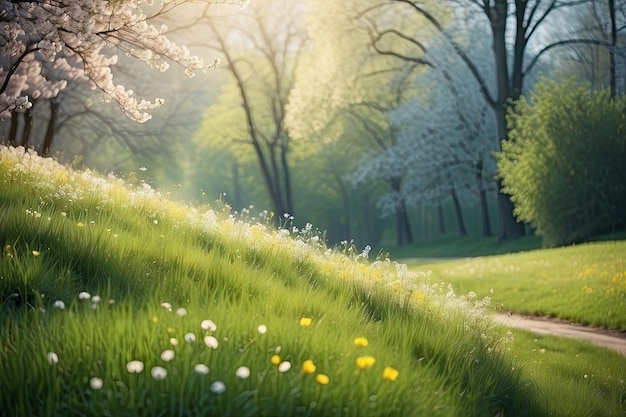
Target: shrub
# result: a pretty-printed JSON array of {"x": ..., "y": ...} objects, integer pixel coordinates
[{"x": 565, "y": 162}]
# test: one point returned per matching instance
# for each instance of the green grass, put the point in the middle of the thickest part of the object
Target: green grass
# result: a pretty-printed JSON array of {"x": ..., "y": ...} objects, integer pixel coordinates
[
  {"x": 147, "y": 258},
  {"x": 583, "y": 283}
]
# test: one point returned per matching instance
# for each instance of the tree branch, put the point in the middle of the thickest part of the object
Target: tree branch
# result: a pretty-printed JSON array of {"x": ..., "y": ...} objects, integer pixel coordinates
[{"x": 533, "y": 62}]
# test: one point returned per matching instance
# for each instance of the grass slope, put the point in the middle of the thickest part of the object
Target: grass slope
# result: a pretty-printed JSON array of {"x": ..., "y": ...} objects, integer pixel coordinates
[{"x": 115, "y": 300}]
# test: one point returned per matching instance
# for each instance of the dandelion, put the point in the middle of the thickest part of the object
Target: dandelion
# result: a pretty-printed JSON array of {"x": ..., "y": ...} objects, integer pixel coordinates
[
  {"x": 365, "y": 362},
  {"x": 218, "y": 387},
  {"x": 167, "y": 355},
  {"x": 242, "y": 372},
  {"x": 134, "y": 367},
  {"x": 181, "y": 312},
  {"x": 59, "y": 304},
  {"x": 53, "y": 358},
  {"x": 158, "y": 373},
  {"x": 190, "y": 337},
  {"x": 284, "y": 366},
  {"x": 360, "y": 342},
  {"x": 305, "y": 321},
  {"x": 173, "y": 341},
  {"x": 275, "y": 359},
  {"x": 211, "y": 342},
  {"x": 80, "y": 224},
  {"x": 84, "y": 295},
  {"x": 155, "y": 319},
  {"x": 208, "y": 325},
  {"x": 322, "y": 379},
  {"x": 201, "y": 369},
  {"x": 95, "y": 383},
  {"x": 35, "y": 253},
  {"x": 262, "y": 329},
  {"x": 95, "y": 299},
  {"x": 308, "y": 367},
  {"x": 390, "y": 374}
]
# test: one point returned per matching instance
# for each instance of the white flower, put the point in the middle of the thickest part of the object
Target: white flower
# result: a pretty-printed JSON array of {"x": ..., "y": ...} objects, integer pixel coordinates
[
  {"x": 84, "y": 296},
  {"x": 167, "y": 355},
  {"x": 158, "y": 373},
  {"x": 181, "y": 312},
  {"x": 59, "y": 304},
  {"x": 95, "y": 383},
  {"x": 201, "y": 369},
  {"x": 284, "y": 366},
  {"x": 167, "y": 306},
  {"x": 173, "y": 341},
  {"x": 95, "y": 299},
  {"x": 262, "y": 329},
  {"x": 218, "y": 387},
  {"x": 190, "y": 337},
  {"x": 242, "y": 372},
  {"x": 134, "y": 367},
  {"x": 53, "y": 358},
  {"x": 211, "y": 342},
  {"x": 208, "y": 325}
]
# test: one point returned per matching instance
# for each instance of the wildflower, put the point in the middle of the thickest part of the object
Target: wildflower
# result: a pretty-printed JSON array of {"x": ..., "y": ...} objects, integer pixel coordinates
[
  {"x": 360, "y": 342},
  {"x": 181, "y": 312},
  {"x": 134, "y": 367},
  {"x": 95, "y": 383},
  {"x": 390, "y": 374},
  {"x": 308, "y": 367},
  {"x": 170, "y": 330},
  {"x": 35, "y": 253},
  {"x": 218, "y": 387},
  {"x": 201, "y": 369},
  {"x": 322, "y": 379},
  {"x": 155, "y": 319},
  {"x": 208, "y": 325},
  {"x": 284, "y": 366},
  {"x": 242, "y": 372},
  {"x": 80, "y": 224},
  {"x": 275, "y": 359},
  {"x": 84, "y": 296},
  {"x": 167, "y": 355},
  {"x": 158, "y": 373},
  {"x": 59, "y": 304},
  {"x": 167, "y": 306},
  {"x": 262, "y": 329},
  {"x": 95, "y": 299},
  {"x": 53, "y": 358},
  {"x": 305, "y": 321},
  {"x": 364, "y": 362},
  {"x": 173, "y": 341},
  {"x": 190, "y": 337},
  {"x": 142, "y": 168},
  {"x": 211, "y": 342}
]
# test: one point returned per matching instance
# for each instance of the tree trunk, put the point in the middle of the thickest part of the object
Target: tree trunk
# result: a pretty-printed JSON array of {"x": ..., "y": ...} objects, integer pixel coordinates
[
  {"x": 13, "y": 130},
  {"x": 403, "y": 227},
  {"x": 458, "y": 212},
  {"x": 482, "y": 194},
  {"x": 28, "y": 127},
  {"x": 286, "y": 180},
  {"x": 47, "y": 142}
]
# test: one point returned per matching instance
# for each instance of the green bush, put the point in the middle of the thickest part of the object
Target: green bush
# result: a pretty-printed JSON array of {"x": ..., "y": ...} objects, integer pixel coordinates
[{"x": 565, "y": 162}]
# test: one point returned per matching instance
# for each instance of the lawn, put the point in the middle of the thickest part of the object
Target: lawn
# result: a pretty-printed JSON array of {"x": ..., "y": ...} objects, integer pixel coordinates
[{"x": 116, "y": 300}]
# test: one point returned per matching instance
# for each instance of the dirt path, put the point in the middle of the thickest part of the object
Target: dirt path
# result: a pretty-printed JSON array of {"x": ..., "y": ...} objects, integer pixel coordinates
[{"x": 608, "y": 338}]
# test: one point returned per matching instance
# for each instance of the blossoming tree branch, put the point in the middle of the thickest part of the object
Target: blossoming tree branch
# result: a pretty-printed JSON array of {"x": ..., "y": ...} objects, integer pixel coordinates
[{"x": 46, "y": 44}]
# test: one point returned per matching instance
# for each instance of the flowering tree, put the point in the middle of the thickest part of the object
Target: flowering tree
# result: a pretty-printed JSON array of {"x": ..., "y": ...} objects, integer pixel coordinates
[{"x": 45, "y": 44}]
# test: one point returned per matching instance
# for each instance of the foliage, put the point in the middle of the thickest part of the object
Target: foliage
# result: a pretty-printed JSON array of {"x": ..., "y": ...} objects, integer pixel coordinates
[
  {"x": 564, "y": 164},
  {"x": 45, "y": 44}
]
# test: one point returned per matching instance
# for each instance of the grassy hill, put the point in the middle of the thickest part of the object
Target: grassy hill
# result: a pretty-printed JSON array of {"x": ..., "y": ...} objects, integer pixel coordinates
[{"x": 117, "y": 300}]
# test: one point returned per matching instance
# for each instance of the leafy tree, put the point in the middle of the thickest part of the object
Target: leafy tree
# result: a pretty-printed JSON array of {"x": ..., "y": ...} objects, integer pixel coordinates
[
  {"x": 46, "y": 44},
  {"x": 564, "y": 164}
]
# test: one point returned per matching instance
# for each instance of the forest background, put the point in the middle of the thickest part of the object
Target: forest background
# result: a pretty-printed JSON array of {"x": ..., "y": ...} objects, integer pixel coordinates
[{"x": 375, "y": 121}]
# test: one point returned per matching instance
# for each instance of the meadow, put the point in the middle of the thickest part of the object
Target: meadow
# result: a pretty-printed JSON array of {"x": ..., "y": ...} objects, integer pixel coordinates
[{"x": 115, "y": 299}]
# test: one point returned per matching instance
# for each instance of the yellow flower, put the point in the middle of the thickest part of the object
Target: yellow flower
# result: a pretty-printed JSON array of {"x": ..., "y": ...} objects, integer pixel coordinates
[
  {"x": 322, "y": 379},
  {"x": 360, "y": 341},
  {"x": 35, "y": 253},
  {"x": 390, "y": 374},
  {"x": 155, "y": 319},
  {"x": 305, "y": 321},
  {"x": 275, "y": 359},
  {"x": 308, "y": 367},
  {"x": 80, "y": 224},
  {"x": 170, "y": 330},
  {"x": 364, "y": 362}
]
